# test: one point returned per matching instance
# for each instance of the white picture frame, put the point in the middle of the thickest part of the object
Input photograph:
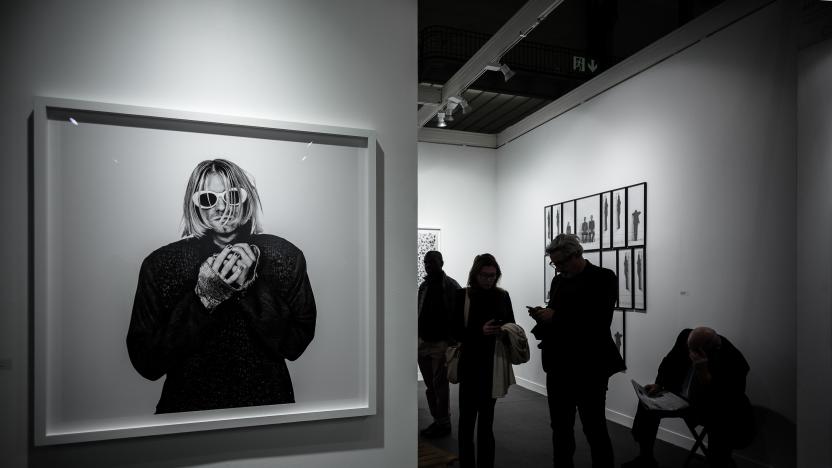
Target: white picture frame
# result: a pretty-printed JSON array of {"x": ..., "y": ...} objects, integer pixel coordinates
[{"x": 108, "y": 185}]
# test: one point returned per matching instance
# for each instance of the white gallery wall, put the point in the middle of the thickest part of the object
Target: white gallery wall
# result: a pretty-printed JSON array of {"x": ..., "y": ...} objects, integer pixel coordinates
[
  {"x": 305, "y": 61},
  {"x": 457, "y": 194},
  {"x": 814, "y": 273},
  {"x": 712, "y": 131}
]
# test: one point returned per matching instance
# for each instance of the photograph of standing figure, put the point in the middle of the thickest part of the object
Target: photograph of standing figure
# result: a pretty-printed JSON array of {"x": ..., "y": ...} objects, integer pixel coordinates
[{"x": 218, "y": 312}]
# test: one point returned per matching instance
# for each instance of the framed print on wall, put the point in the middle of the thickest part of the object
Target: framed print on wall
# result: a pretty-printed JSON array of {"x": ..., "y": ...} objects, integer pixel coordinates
[
  {"x": 618, "y": 332},
  {"x": 557, "y": 227},
  {"x": 625, "y": 279},
  {"x": 587, "y": 220},
  {"x": 427, "y": 239},
  {"x": 639, "y": 279},
  {"x": 568, "y": 220},
  {"x": 636, "y": 214},
  {"x": 548, "y": 223},
  {"x": 606, "y": 220},
  {"x": 618, "y": 212},
  {"x": 154, "y": 223},
  {"x": 609, "y": 260},
  {"x": 593, "y": 257}
]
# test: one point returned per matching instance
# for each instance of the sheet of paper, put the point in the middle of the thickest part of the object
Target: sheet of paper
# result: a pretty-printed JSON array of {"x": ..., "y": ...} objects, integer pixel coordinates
[{"x": 664, "y": 401}]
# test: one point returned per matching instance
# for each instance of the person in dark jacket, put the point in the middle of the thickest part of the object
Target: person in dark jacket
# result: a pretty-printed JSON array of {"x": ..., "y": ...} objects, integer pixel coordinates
[
  {"x": 479, "y": 312},
  {"x": 707, "y": 370},
  {"x": 578, "y": 352},
  {"x": 219, "y": 311},
  {"x": 436, "y": 299}
]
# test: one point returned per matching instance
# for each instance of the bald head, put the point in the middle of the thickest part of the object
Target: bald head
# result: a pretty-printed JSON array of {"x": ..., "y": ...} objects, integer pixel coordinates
[{"x": 704, "y": 339}]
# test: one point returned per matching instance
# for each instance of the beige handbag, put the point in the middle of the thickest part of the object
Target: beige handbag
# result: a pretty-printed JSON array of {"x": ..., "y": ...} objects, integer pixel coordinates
[{"x": 453, "y": 353}]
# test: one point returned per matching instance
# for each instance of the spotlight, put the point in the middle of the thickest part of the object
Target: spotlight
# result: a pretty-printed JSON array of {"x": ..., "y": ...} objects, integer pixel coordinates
[
  {"x": 440, "y": 117},
  {"x": 507, "y": 72},
  {"x": 454, "y": 101}
]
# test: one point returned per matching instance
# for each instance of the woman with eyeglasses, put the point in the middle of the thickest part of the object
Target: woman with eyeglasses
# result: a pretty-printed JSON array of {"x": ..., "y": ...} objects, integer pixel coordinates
[
  {"x": 219, "y": 311},
  {"x": 480, "y": 310}
]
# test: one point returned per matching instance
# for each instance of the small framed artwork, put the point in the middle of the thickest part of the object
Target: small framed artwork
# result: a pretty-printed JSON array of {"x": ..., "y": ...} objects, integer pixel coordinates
[
  {"x": 548, "y": 276},
  {"x": 557, "y": 228},
  {"x": 547, "y": 225},
  {"x": 569, "y": 218},
  {"x": 427, "y": 239},
  {"x": 609, "y": 260},
  {"x": 618, "y": 331},
  {"x": 639, "y": 279},
  {"x": 593, "y": 257},
  {"x": 625, "y": 279},
  {"x": 618, "y": 213},
  {"x": 587, "y": 221},
  {"x": 606, "y": 220},
  {"x": 636, "y": 214}
]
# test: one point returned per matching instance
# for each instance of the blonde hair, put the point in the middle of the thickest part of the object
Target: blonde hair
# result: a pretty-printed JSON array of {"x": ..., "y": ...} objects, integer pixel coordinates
[{"x": 233, "y": 176}]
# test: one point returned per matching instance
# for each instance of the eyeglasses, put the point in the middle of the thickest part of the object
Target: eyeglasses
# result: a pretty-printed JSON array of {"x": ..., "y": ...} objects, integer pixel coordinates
[
  {"x": 560, "y": 263},
  {"x": 487, "y": 275},
  {"x": 207, "y": 199}
]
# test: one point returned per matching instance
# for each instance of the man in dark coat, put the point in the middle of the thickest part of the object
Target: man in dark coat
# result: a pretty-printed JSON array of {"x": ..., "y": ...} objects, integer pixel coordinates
[
  {"x": 436, "y": 301},
  {"x": 708, "y": 371},
  {"x": 578, "y": 352}
]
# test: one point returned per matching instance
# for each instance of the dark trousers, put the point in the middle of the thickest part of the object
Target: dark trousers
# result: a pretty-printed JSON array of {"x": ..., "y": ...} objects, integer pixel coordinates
[
  {"x": 646, "y": 426},
  {"x": 431, "y": 359},
  {"x": 565, "y": 396},
  {"x": 476, "y": 407}
]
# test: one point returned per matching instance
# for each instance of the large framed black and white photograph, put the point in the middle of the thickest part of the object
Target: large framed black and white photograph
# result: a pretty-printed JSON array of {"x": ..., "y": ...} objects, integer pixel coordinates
[
  {"x": 568, "y": 220},
  {"x": 588, "y": 221},
  {"x": 618, "y": 212},
  {"x": 184, "y": 276},
  {"x": 639, "y": 279},
  {"x": 636, "y": 214},
  {"x": 427, "y": 239},
  {"x": 625, "y": 278}
]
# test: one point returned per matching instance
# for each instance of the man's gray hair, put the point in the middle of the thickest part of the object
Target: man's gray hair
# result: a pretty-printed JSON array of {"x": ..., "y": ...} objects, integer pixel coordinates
[{"x": 567, "y": 245}]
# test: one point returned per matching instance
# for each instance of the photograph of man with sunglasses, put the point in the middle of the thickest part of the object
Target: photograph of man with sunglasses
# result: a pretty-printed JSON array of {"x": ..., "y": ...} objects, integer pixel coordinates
[{"x": 219, "y": 311}]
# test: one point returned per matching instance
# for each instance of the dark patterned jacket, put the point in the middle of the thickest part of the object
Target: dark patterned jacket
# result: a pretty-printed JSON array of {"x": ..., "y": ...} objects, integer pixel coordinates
[{"x": 233, "y": 355}]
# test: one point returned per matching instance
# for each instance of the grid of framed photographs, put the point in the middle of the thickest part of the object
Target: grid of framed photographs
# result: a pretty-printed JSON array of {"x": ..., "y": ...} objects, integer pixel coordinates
[{"x": 612, "y": 226}]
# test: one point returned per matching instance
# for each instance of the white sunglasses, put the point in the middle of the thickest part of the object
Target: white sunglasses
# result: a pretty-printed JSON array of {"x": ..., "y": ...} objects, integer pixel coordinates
[{"x": 207, "y": 198}]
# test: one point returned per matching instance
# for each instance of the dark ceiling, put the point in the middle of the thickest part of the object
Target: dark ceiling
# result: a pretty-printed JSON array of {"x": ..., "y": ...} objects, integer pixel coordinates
[{"x": 577, "y": 41}]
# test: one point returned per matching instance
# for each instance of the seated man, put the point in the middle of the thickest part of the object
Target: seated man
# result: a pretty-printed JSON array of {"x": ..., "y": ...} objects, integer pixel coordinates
[{"x": 709, "y": 372}]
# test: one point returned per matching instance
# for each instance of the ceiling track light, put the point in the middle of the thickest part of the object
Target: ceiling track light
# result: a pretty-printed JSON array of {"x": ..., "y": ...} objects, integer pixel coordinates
[
  {"x": 501, "y": 67},
  {"x": 440, "y": 120},
  {"x": 455, "y": 101}
]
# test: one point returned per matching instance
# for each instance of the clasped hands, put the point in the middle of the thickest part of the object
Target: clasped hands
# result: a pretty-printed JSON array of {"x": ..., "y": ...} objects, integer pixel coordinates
[{"x": 233, "y": 263}]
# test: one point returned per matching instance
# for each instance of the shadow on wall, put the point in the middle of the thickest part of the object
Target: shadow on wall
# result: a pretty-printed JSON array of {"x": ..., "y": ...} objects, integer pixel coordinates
[{"x": 775, "y": 443}]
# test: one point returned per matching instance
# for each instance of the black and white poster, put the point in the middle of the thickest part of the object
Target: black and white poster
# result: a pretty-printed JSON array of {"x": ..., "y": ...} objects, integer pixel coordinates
[
  {"x": 625, "y": 279},
  {"x": 180, "y": 279},
  {"x": 609, "y": 260},
  {"x": 618, "y": 212},
  {"x": 636, "y": 215},
  {"x": 588, "y": 222},
  {"x": 557, "y": 227}
]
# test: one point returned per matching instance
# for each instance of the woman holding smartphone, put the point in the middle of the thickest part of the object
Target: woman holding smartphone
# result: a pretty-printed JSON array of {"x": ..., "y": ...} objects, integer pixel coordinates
[{"x": 479, "y": 312}]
